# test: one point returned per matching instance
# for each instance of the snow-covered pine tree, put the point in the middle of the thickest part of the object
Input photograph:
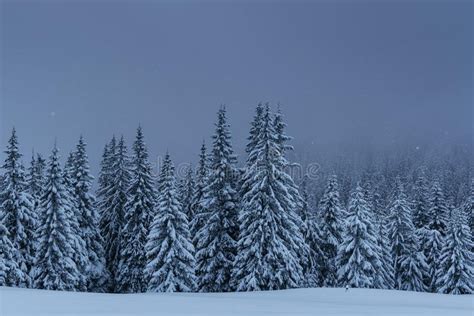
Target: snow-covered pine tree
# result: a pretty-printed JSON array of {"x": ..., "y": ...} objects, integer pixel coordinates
[
  {"x": 270, "y": 240},
  {"x": 199, "y": 215},
  {"x": 106, "y": 163},
  {"x": 366, "y": 182},
  {"x": 54, "y": 265},
  {"x": 412, "y": 268},
  {"x": 387, "y": 273},
  {"x": 312, "y": 236},
  {"x": 96, "y": 272},
  {"x": 169, "y": 251},
  {"x": 253, "y": 139},
  {"x": 102, "y": 199},
  {"x": 80, "y": 256},
  {"x": 456, "y": 275},
  {"x": 255, "y": 127},
  {"x": 187, "y": 193},
  {"x": 139, "y": 209},
  {"x": 216, "y": 240},
  {"x": 103, "y": 181},
  {"x": 113, "y": 209},
  {"x": 331, "y": 216},
  {"x": 9, "y": 271},
  {"x": 294, "y": 213},
  {"x": 438, "y": 212},
  {"x": 401, "y": 234},
  {"x": 20, "y": 218},
  {"x": 357, "y": 259},
  {"x": 35, "y": 181},
  {"x": 420, "y": 201},
  {"x": 431, "y": 245}
]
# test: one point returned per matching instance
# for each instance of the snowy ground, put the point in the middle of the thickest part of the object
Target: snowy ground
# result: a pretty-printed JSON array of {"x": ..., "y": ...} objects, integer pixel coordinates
[{"x": 292, "y": 302}]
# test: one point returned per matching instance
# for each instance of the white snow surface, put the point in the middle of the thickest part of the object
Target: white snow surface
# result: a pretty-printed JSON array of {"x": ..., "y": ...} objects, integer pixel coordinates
[{"x": 298, "y": 302}]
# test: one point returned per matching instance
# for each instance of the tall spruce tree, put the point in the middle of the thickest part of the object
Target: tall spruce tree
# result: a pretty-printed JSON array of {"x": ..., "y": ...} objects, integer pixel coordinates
[
  {"x": 431, "y": 244},
  {"x": 216, "y": 240},
  {"x": 187, "y": 193},
  {"x": 412, "y": 268},
  {"x": 89, "y": 220},
  {"x": 169, "y": 251},
  {"x": 35, "y": 182},
  {"x": 387, "y": 272},
  {"x": 331, "y": 216},
  {"x": 270, "y": 240},
  {"x": 357, "y": 259},
  {"x": 312, "y": 236},
  {"x": 199, "y": 213},
  {"x": 80, "y": 255},
  {"x": 54, "y": 265},
  {"x": 105, "y": 175},
  {"x": 113, "y": 208},
  {"x": 438, "y": 212},
  {"x": 456, "y": 274},
  {"x": 20, "y": 217},
  {"x": 420, "y": 201},
  {"x": 139, "y": 209},
  {"x": 102, "y": 200},
  {"x": 401, "y": 233},
  {"x": 253, "y": 138},
  {"x": 282, "y": 140}
]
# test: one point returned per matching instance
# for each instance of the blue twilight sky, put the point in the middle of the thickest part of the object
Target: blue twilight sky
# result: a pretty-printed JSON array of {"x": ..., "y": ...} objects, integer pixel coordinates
[{"x": 371, "y": 71}]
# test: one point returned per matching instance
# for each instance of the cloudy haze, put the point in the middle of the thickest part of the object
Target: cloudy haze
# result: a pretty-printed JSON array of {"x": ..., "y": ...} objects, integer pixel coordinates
[{"x": 369, "y": 71}]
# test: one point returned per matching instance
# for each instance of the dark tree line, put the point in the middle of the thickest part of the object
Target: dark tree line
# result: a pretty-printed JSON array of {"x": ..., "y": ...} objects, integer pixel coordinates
[{"x": 224, "y": 227}]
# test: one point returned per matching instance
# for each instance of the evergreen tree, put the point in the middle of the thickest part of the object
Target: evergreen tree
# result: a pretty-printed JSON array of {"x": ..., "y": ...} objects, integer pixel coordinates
[
  {"x": 169, "y": 251},
  {"x": 431, "y": 246},
  {"x": 297, "y": 202},
  {"x": 35, "y": 182},
  {"x": 438, "y": 212},
  {"x": 357, "y": 257},
  {"x": 420, "y": 201},
  {"x": 456, "y": 275},
  {"x": 412, "y": 267},
  {"x": 330, "y": 217},
  {"x": 9, "y": 271},
  {"x": 255, "y": 128},
  {"x": 54, "y": 265},
  {"x": 105, "y": 175},
  {"x": 102, "y": 198},
  {"x": 387, "y": 272},
  {"x": 312, "y": 236},
  {"x": 199, "y": 213},
  {"x": 19, "y": 215},
  {"x": 216, "y": 240},
  {"x": 139, "y": 209},
  {"x": 89, "y": 220},
  {"x": 113, "y": 210},
  {"x": 73, "y": 213},
  {"x": 401, "y": 232},
  {"x": 187, "y": 193},
  {"x": 270, "y": 240}
]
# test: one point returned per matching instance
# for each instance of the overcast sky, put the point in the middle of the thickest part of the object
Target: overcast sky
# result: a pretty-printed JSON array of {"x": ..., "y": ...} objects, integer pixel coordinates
[{"x": 342, "y": 70}]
